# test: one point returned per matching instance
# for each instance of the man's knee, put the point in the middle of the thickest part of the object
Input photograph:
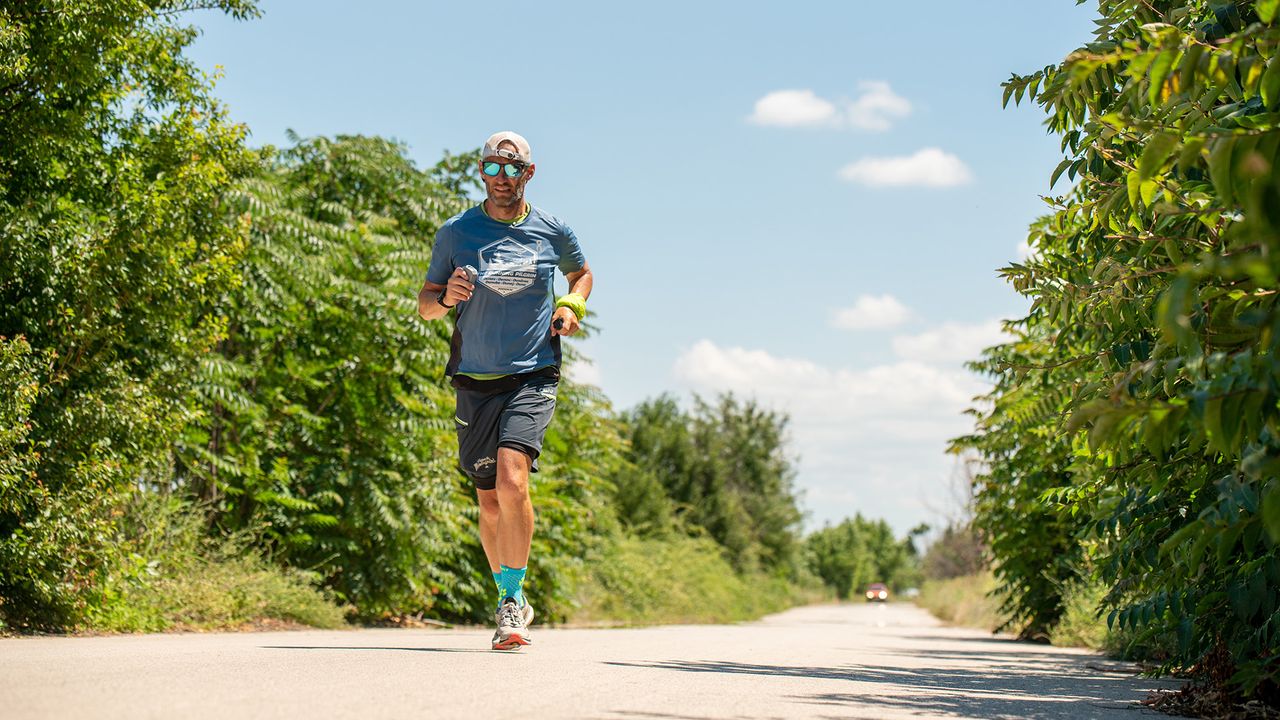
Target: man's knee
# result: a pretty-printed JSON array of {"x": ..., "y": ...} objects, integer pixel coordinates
[
  {"x": 488, "y": 502},
  {"x": 513, "y": 486},
  {"x": 513, "y": 472}
]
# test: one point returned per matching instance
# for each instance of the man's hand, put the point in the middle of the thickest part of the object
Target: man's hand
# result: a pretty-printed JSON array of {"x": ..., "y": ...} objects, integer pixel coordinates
[
  {"x": 568, "y": 322},
  {"x": 579, "y": 282},
  {"x": 458, "y": 289}
]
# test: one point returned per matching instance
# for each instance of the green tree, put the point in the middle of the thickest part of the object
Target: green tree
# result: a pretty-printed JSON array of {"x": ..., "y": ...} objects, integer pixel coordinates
[
  {"x": 326, "y": 422},
  {"x": 1137, "y": 411},
  {"x": 584, "y": 448},
  {"x": 724, "y": 471},
  {"x": 324, "y": 419},
  {"x": 840, "y": 557},
  {"x": 1034, "y": 544},
  {"x": 112, "y": 248},
  {"x": 749, "y": 482},
  {"x": 957, "y": 552},
  {"x": 659, "y": 460},
  {"x": 856, "y": 552}
]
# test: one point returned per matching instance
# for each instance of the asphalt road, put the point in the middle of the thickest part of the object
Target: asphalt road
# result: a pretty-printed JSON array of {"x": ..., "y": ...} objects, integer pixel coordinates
[{"x": 848, "y": 661}]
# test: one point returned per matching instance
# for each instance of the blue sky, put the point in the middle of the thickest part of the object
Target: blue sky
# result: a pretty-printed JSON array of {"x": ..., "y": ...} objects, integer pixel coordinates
[{"x": 804, "y": 202}]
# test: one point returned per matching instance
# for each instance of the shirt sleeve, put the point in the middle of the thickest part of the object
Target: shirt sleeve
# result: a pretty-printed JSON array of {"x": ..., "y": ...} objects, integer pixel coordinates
[
  {"x": 571, "y": 258},
  {"x": 441, "y": 266}
]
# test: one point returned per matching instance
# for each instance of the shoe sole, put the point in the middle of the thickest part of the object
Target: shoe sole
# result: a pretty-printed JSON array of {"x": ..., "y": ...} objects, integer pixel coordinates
[
  {"x": 515, "y": 640},
  {"x": 512, "y": 642}
]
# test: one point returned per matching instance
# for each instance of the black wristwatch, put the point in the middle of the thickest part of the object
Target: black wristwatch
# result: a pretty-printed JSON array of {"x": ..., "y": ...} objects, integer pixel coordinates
[{"x": 440, "y": 299}]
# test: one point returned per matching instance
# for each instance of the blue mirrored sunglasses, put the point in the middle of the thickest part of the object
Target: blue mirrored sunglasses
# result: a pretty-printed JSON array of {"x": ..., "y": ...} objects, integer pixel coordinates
[{"x": 511, "y": 169}]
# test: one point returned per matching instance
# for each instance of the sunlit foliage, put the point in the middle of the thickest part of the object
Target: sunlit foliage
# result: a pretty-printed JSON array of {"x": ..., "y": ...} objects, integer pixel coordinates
[
  {"x": 114, "y": 157},
  {"x": 1133, "y": 434}
]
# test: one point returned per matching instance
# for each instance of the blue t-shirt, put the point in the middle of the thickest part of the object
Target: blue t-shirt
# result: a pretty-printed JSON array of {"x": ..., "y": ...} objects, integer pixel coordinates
[{"x": 505, "y": 327}]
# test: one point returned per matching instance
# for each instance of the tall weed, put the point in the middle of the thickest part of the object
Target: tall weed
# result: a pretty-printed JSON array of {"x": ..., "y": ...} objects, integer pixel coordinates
[
  {"x": 966, "y": 600},
  {"x": 681, "y": 579},
  {"x": 176, "y": 575}
]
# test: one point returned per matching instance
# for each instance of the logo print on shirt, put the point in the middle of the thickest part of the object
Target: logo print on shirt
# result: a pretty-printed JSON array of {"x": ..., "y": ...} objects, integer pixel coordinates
[{"x": 508, "y": 267}]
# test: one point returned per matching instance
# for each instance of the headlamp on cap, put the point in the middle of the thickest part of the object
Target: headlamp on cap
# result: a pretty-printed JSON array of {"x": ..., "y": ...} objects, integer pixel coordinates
[{"x": 520, "y": 154}]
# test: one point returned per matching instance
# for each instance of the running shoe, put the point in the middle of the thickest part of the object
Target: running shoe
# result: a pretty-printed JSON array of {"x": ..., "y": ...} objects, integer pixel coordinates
[{"x": 513, "y": 625}]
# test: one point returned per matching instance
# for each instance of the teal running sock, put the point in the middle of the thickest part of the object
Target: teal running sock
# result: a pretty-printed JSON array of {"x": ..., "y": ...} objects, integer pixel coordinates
[
  {"x": 497, "y": 581},
  {"x": 513, "y": 584}
]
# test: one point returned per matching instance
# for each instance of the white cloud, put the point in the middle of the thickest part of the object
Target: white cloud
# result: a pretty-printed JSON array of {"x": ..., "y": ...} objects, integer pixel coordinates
[
  {"x": 877, "y": 107},
  {"x": 904, "y": 396},
  {"x": 871, "y": 312},
  {"x": 1026, "y": 252},
  {"x": 793, "y": 108},
  {"x": 949, "y": 343},
  {"x": 929, "y": 167},
  {"x": 583, "y": 370},
  {"x": 870, "y": 440}
]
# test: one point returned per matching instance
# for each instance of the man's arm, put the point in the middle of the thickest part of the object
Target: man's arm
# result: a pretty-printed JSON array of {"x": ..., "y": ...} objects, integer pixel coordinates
[
  {"x": 428, "y": 308},
  {"x": 457, "y": 290},
  {"x": 580, "y": 282}
]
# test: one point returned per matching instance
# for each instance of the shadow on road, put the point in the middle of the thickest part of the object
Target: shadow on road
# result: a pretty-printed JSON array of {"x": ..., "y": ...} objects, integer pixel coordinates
[
  {"x": 357, "y": 647},
  {"x": 1039, "y": 687},
  {"x": 648, "y": 715},
  {"x": 992, "y": 639}
]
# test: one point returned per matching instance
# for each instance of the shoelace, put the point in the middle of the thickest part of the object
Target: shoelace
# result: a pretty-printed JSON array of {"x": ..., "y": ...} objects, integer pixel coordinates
[{"x": 511, "y": 616}]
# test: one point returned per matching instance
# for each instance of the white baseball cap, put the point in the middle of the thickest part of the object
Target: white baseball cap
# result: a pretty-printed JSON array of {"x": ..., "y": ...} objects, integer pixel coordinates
[{"x": 521, "y": 153}]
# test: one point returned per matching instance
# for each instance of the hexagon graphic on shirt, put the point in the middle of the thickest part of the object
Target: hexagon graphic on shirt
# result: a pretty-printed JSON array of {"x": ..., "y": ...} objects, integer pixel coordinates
[{"x": 508, "y": 267}]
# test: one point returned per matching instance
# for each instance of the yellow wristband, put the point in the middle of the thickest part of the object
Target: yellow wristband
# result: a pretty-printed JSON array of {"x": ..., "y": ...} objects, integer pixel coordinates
[{"x": 575, "y": 302}]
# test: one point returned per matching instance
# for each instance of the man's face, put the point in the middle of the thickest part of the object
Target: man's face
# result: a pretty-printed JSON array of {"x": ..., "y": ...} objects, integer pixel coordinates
[{"x": 503, "y": 190}]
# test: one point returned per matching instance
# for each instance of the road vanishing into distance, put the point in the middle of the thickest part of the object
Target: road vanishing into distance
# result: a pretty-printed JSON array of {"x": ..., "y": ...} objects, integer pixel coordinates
[{"x": 832, "y": 661}]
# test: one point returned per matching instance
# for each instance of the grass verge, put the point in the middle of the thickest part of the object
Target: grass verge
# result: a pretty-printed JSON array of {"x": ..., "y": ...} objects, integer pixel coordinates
[
  {"x": 964, "y": 600},
  {"x": 1080, "y": 625},
  {"x": 679, "y": 580},
  {"x": 175, "y": 577}
]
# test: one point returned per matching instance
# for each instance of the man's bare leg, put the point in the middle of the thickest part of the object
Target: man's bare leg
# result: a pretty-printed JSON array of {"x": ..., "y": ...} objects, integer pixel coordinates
[
  {"x": 489, "y": 513},
  {"x": 515, "y": 534},
  {"x": 515, "y": 526}
]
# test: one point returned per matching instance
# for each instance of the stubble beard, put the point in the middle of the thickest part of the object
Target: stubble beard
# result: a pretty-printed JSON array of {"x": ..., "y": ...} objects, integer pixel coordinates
[{"x": 514, "y": 200}]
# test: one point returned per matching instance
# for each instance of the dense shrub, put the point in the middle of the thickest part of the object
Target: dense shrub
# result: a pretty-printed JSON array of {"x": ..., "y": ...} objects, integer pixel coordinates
[
  {"x": 1133, "y": 436},
  {"x": 112, "y": 247}
]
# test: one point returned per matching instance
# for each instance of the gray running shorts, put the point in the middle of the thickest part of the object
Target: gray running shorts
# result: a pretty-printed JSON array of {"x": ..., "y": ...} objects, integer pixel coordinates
[{"x": 516, "y": 419}]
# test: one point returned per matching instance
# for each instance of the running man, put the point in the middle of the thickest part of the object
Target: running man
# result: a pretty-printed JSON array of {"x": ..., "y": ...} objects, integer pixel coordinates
[{"x": 505, "y": 355}]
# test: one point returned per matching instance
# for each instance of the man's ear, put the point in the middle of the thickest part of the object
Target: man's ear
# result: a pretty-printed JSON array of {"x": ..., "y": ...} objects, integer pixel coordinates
[{"x": 529, "y": 171}]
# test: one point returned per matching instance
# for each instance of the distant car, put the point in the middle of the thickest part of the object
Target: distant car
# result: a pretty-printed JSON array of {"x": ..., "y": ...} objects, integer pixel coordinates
[{"x": 877, "y": 592}]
